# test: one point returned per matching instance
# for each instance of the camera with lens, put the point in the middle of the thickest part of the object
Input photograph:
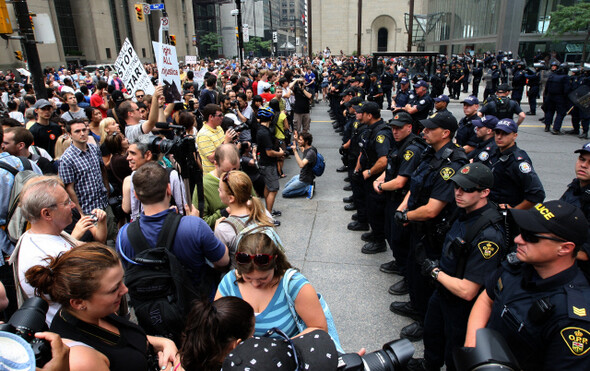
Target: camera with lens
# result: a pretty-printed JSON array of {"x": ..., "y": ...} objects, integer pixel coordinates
[
  {"x": 394, "y": 356},
  {"x": 490, "y": 353},
  {"x": 234, "y": 103},
  {"x": 26, "y": 322}
]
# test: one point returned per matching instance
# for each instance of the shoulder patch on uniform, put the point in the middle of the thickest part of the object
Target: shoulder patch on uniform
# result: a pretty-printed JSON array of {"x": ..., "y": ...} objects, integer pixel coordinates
[
  {"x": 380, "y": 138},
  {"x": 525, "y": 167},
  {"x": 356, "y": 124},
  {"x": 576, "y": 340},
  {"x": 483, "y": 156},
  {"x": 488, "y": 249},
  {"x": 447, "y": 172},
  {"x": 408, "y": 155}
]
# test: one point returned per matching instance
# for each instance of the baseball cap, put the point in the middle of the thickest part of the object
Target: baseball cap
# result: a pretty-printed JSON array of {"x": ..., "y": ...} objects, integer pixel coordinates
[
  {"x": 353, "y": 102},
  {"x": 369, "y": 107},
  {"x": 315, "y": 350},
  {"x": 404, "y": 80},
  {"x": 442, "y": 98},
  {"x": 347, "y": 92},
  {"x": 119, "y": 97},
  {"x": 504, "y": 87},
  {"x": 558, "y": 217},
  {"x": 401, "y": 118},
  {"x": 507, "y": 126},
  {"x": 488, "y": 121},
  {"x": 475, "y": 175},
  {"x": 42, "y": 103},
  {"x": 585, "y": 148},
  {"x": 444, "y": 120},
  {"x": 373, "y": 74},
  {"x": 402, "y": 70},
  {"x": 421, "y": 83},
  {"x": 471, "y": 100}
]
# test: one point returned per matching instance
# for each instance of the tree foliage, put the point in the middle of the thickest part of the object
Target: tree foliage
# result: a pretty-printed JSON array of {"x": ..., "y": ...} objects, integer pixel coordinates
[
  {"x": 571, "y": 19},
  {"x": 257, "y": 46},
  {"x": 210, "y": 44}
]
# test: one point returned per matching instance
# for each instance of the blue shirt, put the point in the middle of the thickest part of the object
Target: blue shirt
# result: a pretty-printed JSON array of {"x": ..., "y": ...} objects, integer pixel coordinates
[
  {"x": 193, "y": 245},
  {"x": 276, "y": 313}
]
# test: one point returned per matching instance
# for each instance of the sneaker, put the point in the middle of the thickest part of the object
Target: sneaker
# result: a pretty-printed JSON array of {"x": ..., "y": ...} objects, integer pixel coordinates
[
  {"x": 276, "y": 223},
  {"x": 310, "y": 190},
  {"x": 276, "y": 213}
]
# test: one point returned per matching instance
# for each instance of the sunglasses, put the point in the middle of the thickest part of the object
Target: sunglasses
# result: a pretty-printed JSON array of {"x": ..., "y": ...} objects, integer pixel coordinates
[
  {"x": 533, "y": 237},
  {"x": 468, "y": 190},
  {"x": 139, "y": 96},
  {"x": 226, "y": 181},
  {"x": 258, "y": 259}
]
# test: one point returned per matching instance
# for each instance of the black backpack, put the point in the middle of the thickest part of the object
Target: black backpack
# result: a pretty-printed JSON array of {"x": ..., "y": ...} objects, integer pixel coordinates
[{"x": 159, "y": 287}]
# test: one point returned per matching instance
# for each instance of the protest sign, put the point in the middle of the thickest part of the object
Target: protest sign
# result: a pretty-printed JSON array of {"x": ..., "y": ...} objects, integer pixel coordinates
[
  {"x": 190, "y": 59},
  {"x": 131, "y": 71},
  {"x": 168, "y": 74}
]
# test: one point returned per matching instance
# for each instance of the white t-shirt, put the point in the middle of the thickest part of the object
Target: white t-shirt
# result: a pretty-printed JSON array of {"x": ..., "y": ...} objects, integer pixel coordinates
[{"x": 33, "y": 249}]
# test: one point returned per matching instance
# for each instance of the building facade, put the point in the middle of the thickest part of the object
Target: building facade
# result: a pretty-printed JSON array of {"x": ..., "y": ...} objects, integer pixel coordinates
[
  {"x": 92, "y": 31},
  {"x": 519, "y": 26},
  {"x": 383, "y": 25}
]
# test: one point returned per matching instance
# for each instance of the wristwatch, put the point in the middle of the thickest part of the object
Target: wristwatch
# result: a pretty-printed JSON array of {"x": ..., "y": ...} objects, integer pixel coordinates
[
  {"x": 379, "y": 187},
  {"x": 435, "y": 273},
  {"x": 369, "y": 172}
]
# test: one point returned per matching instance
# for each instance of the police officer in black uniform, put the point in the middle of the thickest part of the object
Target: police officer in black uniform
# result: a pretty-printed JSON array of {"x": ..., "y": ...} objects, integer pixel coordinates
[
  {"x": 402, "y": 97},
  {"x": 477, "y": 75},
  {"x": 579, "y": 116},
  {"x": 501, "y": 106},
  {"x": 375, "y": 91},
  {"x": 484, "y": 130},
  {"x": 427, "y": 204},
  {"x": 375, "y": 145},
  {"x": 438, "y": 80},
  {"x": 533, "y": 81},
  {"x": 402, "y": 160},
  {"x": 540, "y": 305},
  {"x": 578, "y": 194},
  {"x": 387, "y": 84},
  {"x": 516, "y": 184},
  {"x": 518, "y": 82},
  {"x": 466, "y": 136},
  {"x": 556, "y": 101},
  {"x": 350, "y": 118},
  {"x": 420, "y": 104},
  {"x": 492, "y": 78},
  {"x": 473, "y": 249},
  {"x": 456, "y": 77},
  {"x": 358, "y": 192}
]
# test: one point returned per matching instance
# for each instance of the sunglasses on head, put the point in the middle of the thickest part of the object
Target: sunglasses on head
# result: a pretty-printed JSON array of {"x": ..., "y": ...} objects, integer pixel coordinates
[
  {"x": 258, "y": 259},
  {"x": 468, "y": 190},
  {"x": 533, "y": 237},
  {"x": 226, "y": 181}
]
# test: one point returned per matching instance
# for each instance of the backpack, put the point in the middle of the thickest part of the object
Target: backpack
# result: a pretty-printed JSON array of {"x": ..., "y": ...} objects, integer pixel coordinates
[
  {"x": 242, "y": 229},
  {"x": 16, "y": 224},
  {"x": 320, "y": 164},
  {"x": 159, "y": 287}
]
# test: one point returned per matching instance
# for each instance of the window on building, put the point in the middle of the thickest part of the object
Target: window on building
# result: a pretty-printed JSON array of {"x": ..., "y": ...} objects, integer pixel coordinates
[
  {"x": 67, "y": 30},
  {"x": 382, "y": 36},
  {"x": 115, "y": 23},
  {"x": 143, "y": 52},
  {"x": 108, "y": 50}
]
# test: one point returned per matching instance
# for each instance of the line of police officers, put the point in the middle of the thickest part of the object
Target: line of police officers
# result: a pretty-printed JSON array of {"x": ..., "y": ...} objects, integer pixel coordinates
[{"x": 443, "y": 209}]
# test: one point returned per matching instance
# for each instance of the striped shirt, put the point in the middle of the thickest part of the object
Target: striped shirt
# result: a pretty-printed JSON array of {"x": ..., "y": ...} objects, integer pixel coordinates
[
  {"x": 208, "y": 140},
  {"x": 277, "y": 313}
]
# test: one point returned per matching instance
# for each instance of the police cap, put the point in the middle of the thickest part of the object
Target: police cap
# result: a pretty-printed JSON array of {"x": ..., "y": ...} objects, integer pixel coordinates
[
  {"x": 369, "y": 107},
  {"x": 488, "y": 121},
  {"x": 347, "y": 92},
  {"x": 442, "y": 98},
  {"x": 471, "y": 100},
  {"x": 420, "y": 84},
  {"x": 401, "y": 118},
  {"x": 353, "y": 102},
  {"x": 475, "y": 175},
  {"x": 444, "y": 120},
  {"x": 504, "y": 87},
  {"x": 557, "y": 217},
  {"x": 585, "y": 148},
  {"x": 507, "y": 126}
]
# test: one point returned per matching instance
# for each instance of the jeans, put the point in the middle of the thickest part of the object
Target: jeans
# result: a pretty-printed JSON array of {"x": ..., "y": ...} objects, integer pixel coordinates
[{"x": 295, "y": 188}]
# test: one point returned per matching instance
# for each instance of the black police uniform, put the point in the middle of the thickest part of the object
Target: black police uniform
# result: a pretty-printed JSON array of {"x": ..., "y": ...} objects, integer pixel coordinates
[
  {"x": 578, "y": 115},
  {"x": 501, "y": 107},
  {"x": 579, "y": 196},
  {"x": 484, "y": 151},
  {"x": 375, "y": 89},
  {"x": 515, "y": 180},
  {"x": 456, "y": 78},
  {"x": 424, "y": 104},
  {"x": 430, "y": 180},
  {"x": 533, "y": 81},
  {"x": 402, "y": 98},
  {"x": 557, "y": 338},
  {"x": 438, "y": 84},
  {"x": 375, "y": 143},
  {"x": 387, "y": 85},
  {"x": 401, "y": 161},
  {"x": 477, "y": 75},
  {"x": 466, "y": 135},
  {"x": 557, "y": 88},
  {"x": 494, "y": 76},
  {"x": 445, "y": 324},
  {"x": 518, "y": 83},
  {"x": 358, "y": 191}
]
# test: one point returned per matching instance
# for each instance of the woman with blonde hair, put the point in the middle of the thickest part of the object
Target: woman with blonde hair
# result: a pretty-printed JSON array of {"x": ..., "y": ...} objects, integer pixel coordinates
[
  {"x": 108, "y": 127},
  {"x": 235, "y": 191}
]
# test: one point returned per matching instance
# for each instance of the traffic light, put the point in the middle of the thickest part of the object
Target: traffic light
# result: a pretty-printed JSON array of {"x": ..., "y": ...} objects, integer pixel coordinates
[
  {"x": 139, "y": 12},
  {"x": 173, "y": 40},
  {"x": 19, "y": 55},
  {"x": 5, "y": 25}
]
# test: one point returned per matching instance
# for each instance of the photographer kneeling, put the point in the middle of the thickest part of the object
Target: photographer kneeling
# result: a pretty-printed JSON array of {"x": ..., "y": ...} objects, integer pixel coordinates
[{"x": 302, "y": 184}]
